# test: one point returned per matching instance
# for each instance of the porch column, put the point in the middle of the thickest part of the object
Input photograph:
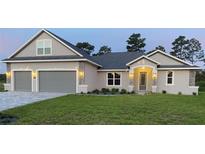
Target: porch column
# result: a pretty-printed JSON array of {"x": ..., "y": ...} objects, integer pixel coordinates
[
  {"x": 154, "y": 81},
  {"x": 131, "y": 80}
]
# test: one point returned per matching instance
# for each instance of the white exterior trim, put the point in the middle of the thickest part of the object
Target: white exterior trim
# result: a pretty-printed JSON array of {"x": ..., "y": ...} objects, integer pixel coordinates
[
  {"x": 50, "y": 60},
  {"x": 173, "y": 73},
  {"x": 113, "y": 70},
  {"x": 21, "y": 70},
  {"x": 141, "y": 58},
  {"x": 93, "y": 63},
  {"x": 166, "y": 54},
  {"x": 113, "y": 86},
  {"x": 181, "y": 68},
  {"x": 131, "y": 69},
  {"x": 56, "y": 69},
  {"x": 44, "y": 47},
  {"x": 43, "y": 30}
]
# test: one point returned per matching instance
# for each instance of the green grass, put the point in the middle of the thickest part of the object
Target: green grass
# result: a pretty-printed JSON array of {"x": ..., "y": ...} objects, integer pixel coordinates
[{"x": 126, "y": 109}]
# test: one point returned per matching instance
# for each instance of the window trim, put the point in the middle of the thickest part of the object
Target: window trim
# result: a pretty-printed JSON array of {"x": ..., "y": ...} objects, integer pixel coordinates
[
  {"x": 120, "y": 73},
  {"x": 168, "y": 84},
  {"x": 44, "y": 47}
]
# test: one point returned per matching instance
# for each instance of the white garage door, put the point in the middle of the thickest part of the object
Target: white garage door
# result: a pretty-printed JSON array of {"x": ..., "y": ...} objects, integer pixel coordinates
[{"x": 57, "y": 81}]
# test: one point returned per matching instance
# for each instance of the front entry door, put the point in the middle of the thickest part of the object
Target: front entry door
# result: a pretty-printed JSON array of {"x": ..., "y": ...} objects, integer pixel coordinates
[{"x": 143, "y": 81}]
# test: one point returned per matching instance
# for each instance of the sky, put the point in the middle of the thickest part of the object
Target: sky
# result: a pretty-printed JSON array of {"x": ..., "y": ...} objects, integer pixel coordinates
[{"x": 12, "y": 39}]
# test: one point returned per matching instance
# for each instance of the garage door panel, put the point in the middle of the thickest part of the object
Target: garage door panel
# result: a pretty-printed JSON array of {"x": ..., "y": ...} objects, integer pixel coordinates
[
  {"x": 22, "y": 81},
  {"x": 57, "y": 81}
]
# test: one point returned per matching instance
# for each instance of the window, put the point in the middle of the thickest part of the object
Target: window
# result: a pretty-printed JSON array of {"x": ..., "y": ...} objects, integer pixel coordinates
[
  {"x": 170, "y": 77},
  {"x": 113, "y": 79},
  {"x": 44, "y": 47}
]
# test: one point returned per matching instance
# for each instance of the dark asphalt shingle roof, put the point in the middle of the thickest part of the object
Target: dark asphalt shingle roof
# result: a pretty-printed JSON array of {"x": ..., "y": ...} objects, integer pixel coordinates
[
  {"x": 116, "y": 60},
  {"x": 44, "y": 58},
  {"x": 177, "y": 66}
]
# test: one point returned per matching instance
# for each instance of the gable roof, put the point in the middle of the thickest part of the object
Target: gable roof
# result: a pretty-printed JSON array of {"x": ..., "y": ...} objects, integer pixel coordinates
[
  {"x": 168, "y": 55},
  {"x": 145, "y": 57},
  {"x": 116, "y": 60},
  {"x": 79, "y": 52}
]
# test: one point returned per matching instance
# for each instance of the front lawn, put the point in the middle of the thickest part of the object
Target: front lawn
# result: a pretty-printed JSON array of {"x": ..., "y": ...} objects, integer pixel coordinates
[{"x": 124, "y": 109}]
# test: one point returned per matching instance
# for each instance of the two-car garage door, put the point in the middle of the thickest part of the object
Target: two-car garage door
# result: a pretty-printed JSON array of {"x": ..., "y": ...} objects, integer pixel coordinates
[
  {"x": 57, "y": 81},
  {"x": 48, "y": 81}
]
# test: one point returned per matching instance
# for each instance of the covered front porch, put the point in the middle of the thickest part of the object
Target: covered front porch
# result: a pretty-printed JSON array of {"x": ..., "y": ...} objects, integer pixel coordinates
[
  {"x": 143, "y": 75},
  {"x": 143, "y": 79}
]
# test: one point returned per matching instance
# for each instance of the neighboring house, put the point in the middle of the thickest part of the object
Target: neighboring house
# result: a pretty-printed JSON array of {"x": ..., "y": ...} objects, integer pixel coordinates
[{"x": 48, "y": 63}]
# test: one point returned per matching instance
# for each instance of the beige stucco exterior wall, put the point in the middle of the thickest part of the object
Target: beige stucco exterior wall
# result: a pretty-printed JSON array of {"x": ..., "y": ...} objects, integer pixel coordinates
[
  {"x": 164, "y": 60},
  {"x": 42, "y": 66},
  {"x": 57, "y": 48},
  {"x": 181, "y": 83},
  {"x": 102, "y": 81},
  {"x": 90, "y": 76}
]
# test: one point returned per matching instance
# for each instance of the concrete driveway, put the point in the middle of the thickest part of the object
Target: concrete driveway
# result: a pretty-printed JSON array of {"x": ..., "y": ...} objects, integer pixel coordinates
[{"x": 13, "y": 99}]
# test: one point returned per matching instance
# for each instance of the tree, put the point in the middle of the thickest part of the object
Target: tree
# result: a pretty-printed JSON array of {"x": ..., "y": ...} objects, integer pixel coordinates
[
  {"x": 180, "y": 47},
  {"x": 103, "y": 50},
  {"x": 160, "y": 48},
  {"x": 87, "y": 47},
  {"x": 135, "y": 43},
  {"x": 195, "y": 52}
]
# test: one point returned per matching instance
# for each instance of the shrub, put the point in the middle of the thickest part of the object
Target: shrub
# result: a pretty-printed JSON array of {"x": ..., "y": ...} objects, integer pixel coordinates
[
  {"x": 180, "y": 93},
  {"x": 88, "y": 92},
  {"x": 201, "y": 85},
  {"x": 114, "y": 90},
  {"x": 194, "y": 93},
  {"x": 133, "y": 92},
  {"x": 164, "y": 91},
  {"x": 123, "y": 91},
  {"x": 96, "y": 91},
  {"x": 81, "y": 92},
  {"x": 105, "y": 90}
]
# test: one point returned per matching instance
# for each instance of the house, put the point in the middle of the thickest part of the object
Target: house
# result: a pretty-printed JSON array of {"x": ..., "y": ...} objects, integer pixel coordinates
[{"x": 48, "y": 63}]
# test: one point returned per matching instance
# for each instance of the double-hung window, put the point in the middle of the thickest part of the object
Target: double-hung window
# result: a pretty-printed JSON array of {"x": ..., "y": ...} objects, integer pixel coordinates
[
  {"x": 43, "y": 47},
  {"x": 170, "y": 78},
  {"x": 113, "y": 79}
]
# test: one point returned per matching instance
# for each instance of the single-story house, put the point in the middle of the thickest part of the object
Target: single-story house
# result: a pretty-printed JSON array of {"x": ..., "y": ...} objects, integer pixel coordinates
[{"x": 48, "y": 63}]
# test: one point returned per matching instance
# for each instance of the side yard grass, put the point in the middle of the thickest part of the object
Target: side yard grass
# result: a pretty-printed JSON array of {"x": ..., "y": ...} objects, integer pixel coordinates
[{"x": 122, "y": 109}]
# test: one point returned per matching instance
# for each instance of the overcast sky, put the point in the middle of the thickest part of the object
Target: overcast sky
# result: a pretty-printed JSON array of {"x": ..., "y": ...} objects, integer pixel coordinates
[{"x": 12, "y": 39}]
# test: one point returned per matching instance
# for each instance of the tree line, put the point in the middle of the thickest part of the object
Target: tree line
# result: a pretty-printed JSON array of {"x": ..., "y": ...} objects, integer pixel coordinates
[{"x": 182, "y": 47}]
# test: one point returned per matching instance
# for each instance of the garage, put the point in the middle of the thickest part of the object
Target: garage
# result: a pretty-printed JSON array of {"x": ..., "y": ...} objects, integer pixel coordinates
[
  {"x": 57, "y": 81},
  {"x": 22, "y": 81}
]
